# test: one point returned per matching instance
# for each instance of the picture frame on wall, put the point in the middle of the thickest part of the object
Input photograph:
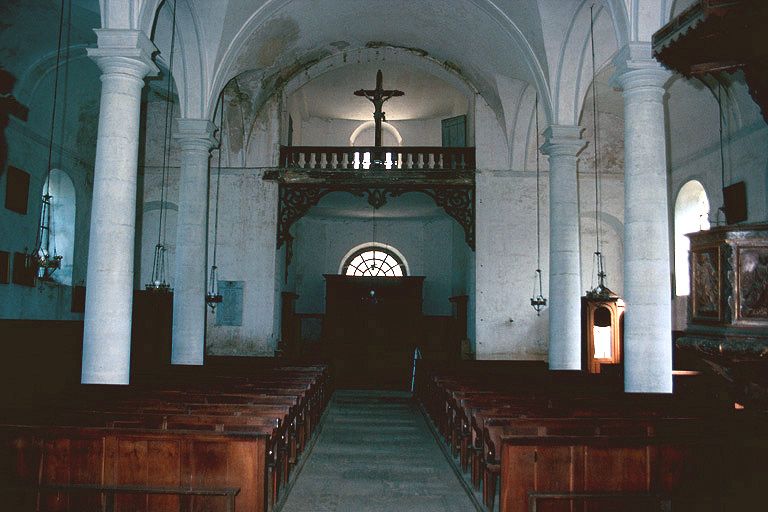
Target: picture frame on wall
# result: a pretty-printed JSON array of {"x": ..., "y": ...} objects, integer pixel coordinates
[{"x": 16, "y": 190}]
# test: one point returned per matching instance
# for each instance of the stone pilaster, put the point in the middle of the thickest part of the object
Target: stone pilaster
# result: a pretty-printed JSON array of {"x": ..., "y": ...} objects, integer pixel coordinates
[
  {"x": 563, "y": 146},
  {"x": 647, "y": 287},
  {"x": 195, "y": 137},
  {"x": 125, "y": 58}
]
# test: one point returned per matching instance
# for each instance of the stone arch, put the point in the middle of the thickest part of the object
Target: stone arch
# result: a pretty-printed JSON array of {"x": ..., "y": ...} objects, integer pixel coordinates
[
  {"x": 188, "y": 69},
  {"x": 574, "y": 71},
  {"x": 39, "y": 71},
  {"x": 691, "y": 214},
  {"x": 60, "y": 187},
  {"x": 226, "y": 64}
]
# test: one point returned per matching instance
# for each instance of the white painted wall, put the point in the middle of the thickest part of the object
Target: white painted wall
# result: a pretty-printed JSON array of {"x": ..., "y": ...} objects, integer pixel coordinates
[
  {"x": 336, "y": 132},
  {"x": 246, "y": 252},
  {"x": 426, "y": 244}
]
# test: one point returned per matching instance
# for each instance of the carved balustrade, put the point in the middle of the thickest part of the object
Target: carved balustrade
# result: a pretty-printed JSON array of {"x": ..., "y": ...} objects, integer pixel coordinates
[{"x": 351, "y": 158}]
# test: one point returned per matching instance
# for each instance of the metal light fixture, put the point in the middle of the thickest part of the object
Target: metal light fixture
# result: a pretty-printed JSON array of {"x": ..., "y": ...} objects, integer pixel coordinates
[
  {"x": 538, "y": 301},
  {"x": 43, "y": 257},
  {"x": 599, "y": 290},
  {"x": 158, "y": 282},
  {"x": 212, "y": 296}
]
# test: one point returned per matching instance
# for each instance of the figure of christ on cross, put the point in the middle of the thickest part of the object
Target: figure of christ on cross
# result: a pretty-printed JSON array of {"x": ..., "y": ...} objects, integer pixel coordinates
[{"x": 378, "y": 96}]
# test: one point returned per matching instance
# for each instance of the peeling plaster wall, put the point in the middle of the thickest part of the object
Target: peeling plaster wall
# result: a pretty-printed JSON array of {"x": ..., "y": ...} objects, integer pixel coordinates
[
  {"x": 246, "y": 252},
  {"x": 150, "y": 185},
  {"x": 611, "y": 225},
  {"x": 246, "y": 244},
  {"x": 321, "y": 244},
  {"x": 247, "y": 219},
  {"x": 506, "y": 325}
]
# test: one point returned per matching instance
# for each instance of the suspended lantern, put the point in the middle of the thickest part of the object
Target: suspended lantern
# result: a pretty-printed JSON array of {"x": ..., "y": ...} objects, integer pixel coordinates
[
  {"x": 212, "y": 296},
  {"x": 538, "y": 301},
  {"x": 158, "y": 282},
  {"x": 43, "y": 258},
  {"x": 602, "y": 310}
]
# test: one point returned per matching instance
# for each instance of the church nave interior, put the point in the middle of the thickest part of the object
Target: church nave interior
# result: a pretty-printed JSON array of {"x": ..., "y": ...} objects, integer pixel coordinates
[{"x": 531, "y": 234}]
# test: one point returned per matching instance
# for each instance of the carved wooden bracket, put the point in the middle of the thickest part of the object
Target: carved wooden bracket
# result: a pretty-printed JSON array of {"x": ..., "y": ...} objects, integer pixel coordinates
[{"x": 295, "y": 200}]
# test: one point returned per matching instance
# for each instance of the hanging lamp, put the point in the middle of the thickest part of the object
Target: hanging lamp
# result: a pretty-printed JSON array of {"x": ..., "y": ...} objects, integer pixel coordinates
[
  {"x": 212, "y": 296},
  {"x": 158, "y": 281},
  {"x": 538, "y": 301},
  {"x": 599, "y": 290},
  {"x": 43, "y": 257}
]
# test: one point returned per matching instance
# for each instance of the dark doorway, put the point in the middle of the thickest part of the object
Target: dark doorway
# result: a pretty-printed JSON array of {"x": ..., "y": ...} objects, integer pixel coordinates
[
  {"x": 372, "y": 327},
  {"x": 454, "y": 132}
]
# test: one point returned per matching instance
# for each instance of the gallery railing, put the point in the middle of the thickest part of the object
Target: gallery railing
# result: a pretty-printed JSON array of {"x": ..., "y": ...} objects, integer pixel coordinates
[{"x": 351, "y": 158}]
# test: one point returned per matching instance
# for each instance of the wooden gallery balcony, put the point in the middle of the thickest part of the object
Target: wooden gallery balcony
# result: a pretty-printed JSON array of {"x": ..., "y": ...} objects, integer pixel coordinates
[
  {"x": 305, "y": 174},
  {"x": 362, "y": 158}
]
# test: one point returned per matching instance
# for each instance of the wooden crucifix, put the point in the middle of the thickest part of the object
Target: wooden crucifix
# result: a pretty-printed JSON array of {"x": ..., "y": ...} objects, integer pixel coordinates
[{"x": 378, "y": 96}]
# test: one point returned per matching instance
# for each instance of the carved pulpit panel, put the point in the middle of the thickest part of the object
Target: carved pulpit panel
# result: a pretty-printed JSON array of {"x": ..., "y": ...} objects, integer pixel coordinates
[
  {"x": 752, "y": 284},
  {"x": 705, "y": 283},
  {"x": 728, "y": 322}
]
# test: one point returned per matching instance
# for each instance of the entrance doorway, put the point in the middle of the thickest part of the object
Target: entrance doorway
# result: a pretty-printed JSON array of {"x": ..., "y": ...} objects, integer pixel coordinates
[{"x": 372, "y": 325}]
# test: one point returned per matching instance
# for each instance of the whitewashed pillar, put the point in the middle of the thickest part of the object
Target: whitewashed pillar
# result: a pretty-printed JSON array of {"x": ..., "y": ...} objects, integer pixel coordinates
[
  {"x": 647, "y": 286},
  {"x": 563, "y": 146},
  {"x": 195, "y": 137},
  {"x": 125, "y": 58}
]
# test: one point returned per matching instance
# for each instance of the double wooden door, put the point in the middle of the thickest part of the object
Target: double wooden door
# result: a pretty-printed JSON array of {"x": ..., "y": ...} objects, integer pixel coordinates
[{"x": 372, "y": 325}]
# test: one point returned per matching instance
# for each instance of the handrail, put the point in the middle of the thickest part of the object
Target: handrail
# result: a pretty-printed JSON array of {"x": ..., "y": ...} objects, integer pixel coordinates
[
  {"x": 416, "y": 355},
  {"x": 110, "y": 490},
  {"x": 662, "y": 501},
  {"x": 351, "y": 158}
]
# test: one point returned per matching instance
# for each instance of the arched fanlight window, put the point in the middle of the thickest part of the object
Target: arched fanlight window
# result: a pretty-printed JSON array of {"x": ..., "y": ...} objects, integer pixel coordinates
[
  {"x": 374, "y": 261},
  {"x": 62, "y": 211},
  {"x": 691, "y": 214}
]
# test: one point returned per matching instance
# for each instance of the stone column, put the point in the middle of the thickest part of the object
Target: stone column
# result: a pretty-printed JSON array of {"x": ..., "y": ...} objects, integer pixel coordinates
[
  {"x": 563, "y": 146},
  {"x": 647, "y": 286},
  {"x": 125, "y": 58},
  {"x": 195, "y": 138}
]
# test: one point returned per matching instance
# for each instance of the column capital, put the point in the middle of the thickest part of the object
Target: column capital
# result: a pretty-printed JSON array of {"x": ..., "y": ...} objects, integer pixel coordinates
[
  {"x": 195, "y": 134},
  {"x": 563, "y": 140},
  {"x": 124, "y": 51},
  {"x": 636, "y": 67}
]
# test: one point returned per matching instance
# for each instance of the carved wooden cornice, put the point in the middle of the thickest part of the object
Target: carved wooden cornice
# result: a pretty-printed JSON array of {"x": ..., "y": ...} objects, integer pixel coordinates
[
  {"x": 299, "y": 190},
  {"x": 719, "y": 36}
]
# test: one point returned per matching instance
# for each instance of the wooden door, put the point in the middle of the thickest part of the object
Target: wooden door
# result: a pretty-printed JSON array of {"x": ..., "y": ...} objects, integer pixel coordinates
[
  {"x": 454, "y": 132},
  {"x": 372, "y": 326}
]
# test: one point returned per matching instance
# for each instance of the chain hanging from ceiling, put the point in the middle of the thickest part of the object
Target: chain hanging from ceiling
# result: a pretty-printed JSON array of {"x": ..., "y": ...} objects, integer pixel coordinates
[
  {"x": 599, "y": 289},
  {"x": 43, "y": 258},
  {"x": 158, "y": 281},
  {"x": 538, "y": 301},
  {"x": 212, "y": 296}
]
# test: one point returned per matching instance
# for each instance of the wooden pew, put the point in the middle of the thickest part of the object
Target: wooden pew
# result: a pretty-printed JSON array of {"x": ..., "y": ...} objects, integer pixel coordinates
[
  {"x": 604, "y": 464},
  {"x": 281, "y": 407},
  {"x": 35, "y": 456}
]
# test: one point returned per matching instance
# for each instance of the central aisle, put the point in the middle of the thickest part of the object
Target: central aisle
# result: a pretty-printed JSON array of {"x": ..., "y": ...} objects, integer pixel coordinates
[{"x": 376, "y": 453}]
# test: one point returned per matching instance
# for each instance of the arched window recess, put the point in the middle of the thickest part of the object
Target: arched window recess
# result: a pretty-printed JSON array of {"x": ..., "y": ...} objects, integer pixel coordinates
[{"x": 374, "y": 260}]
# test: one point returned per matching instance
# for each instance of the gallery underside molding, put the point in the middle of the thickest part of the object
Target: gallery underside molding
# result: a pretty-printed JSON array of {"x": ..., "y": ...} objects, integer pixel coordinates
[{"x": 455, "y": 195}]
